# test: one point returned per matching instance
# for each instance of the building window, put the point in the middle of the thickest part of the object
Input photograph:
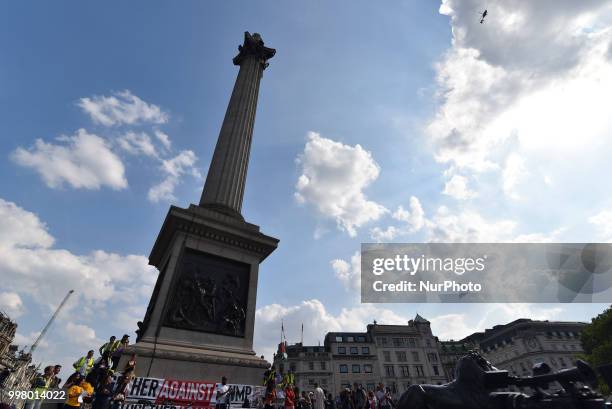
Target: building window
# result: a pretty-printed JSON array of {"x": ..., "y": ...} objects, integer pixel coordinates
[
  {"x": 415, "y": 356},
  {"x": 405, "y": 371},
  {"x": 322, "y": 365},
  {"x": 387, "y": 355},
  {"x": 428, "y": 342},
  {"x": 338, "y": 339},
  {"x": 365, "y": 350},
  {"x": 350, "y": 339},
  {"x": 342, "y": 350},
  {"x": 397, "y": 342},
  {"x": 356, "y": 368},
  {"x": 343, "y": 368},
  {"x": 367, "y": 368},
  {"x": 401, "y": 356},
  {"x": 361, "y": 338},
  {"x": 419, "y": 370},
  {"x": 389, "y": 370},
  {"x": 370, "y": 387},
  {"x": 412, "y": 342},
  {"x": 354, "y": 350},
  {"x": 435, "y": 368},
  {"x": 311, "y": 365},
  {"x": 311, "y": 382},
  {"x": 383, "y": 341},
  {"x": 432, "y": 357}
]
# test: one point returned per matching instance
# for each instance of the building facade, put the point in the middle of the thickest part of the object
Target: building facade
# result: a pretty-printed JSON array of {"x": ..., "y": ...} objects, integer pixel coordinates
[
  {"x": 402, "y": 355},
  {"x": 396, "y": 355},
  {"x": 7, "y": 333},
  {"x": 407, "y": 354},
  {"x": 353, "y": 359},
  {"x": 308, "y": 364},
  {"x": 519, "y": 345},
  {"x": 16, "y": 369}
]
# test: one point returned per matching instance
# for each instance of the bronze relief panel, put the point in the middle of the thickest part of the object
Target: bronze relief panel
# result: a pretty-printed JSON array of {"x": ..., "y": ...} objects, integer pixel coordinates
[{"x": 210, "y": 295}]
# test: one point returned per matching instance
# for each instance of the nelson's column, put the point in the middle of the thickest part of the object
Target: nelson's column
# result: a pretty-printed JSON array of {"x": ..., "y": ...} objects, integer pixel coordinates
[{"x": 200, "y": 319}]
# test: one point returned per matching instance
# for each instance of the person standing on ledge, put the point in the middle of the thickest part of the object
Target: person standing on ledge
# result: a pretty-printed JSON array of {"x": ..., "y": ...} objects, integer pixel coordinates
[
  {"x": 84, "y": 364},
  {"x": 116, "y": 354},
  {"x": 108, "y": 348}
]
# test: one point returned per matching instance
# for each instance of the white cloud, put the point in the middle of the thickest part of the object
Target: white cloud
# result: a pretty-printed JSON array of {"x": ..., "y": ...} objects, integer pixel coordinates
[
  {"x": 27, "y": 340},
  {"x": 529, "y": 84},
  {"x": 514, "y": 171},
  {"x": 467, "y": 226},
  {"x": 457, "y": 187},
  {"x": 384, "y": 235},
  {"x": 414, "y": 220},
  {"x": 137, "y": 144},
  {"x": 349, "y": 274},
  {"x": 163, "y": 138},
  {"x": 460, "y": 226},
  {"x": 111, "y": 290},
  {"x": 603, "y": 223},
  {"x": 122, "y": 108},
  {"x": 174, "y": 168},
  {"x": 333, "y": 178},
  {"x": 317, "y": 322},
  {"x": 30, "y": 265},
  {"x": 11, "y": 304},
  {"x": 459, "y": 325},
  {"x": 552, "y": 237},
  {"x": 22, "y": 229},
  {"x": 83, "y": 161},
  {"x": 82, "y": 335}
]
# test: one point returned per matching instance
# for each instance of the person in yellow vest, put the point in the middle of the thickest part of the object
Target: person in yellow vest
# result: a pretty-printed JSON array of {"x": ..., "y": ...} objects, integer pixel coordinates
[
  {"x": 109, "y": 347},
  {"x": 116, "y": 355},
  {"x": 84, "y": 364},
  {"x": 76, "y": 394},
  {"x": 39, "y": 387}
]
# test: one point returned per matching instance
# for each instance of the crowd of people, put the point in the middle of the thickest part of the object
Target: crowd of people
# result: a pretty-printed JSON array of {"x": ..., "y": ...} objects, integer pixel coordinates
[
  {"x": 98, "y": 382},
  {"x": 281, "y": 388}
]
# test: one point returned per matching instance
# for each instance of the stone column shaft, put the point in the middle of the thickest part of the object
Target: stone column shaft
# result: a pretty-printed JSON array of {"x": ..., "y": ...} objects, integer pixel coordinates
[{"x": 225, "y": 182}]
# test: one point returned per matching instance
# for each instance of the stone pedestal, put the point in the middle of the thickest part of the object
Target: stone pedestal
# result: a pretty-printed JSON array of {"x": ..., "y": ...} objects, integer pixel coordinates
[{"x": 200, "y": 320}]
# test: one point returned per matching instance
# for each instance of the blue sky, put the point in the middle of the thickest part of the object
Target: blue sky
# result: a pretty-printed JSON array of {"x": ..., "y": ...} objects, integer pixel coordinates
[{"x": 375, "y": 122}]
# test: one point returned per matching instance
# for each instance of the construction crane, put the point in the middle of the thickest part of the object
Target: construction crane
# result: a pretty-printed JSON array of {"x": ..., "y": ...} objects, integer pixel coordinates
[{"x": 46, "y": 328}]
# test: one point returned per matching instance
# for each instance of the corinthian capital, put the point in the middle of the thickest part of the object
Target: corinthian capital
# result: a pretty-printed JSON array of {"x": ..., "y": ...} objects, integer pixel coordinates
[{"x": 253, "y": 47}]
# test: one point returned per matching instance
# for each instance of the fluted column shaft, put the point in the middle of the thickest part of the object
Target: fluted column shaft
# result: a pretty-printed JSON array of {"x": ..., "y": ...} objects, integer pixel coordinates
[{"x": 225, "y": 182}]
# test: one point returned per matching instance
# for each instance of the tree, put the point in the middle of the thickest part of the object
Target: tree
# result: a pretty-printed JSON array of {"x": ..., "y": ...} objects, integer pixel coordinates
[{"x": 596, "y": 340}]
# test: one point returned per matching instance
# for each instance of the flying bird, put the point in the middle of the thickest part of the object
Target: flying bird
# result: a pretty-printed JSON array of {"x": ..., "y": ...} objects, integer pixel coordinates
[{"x": 483, "y": 14}]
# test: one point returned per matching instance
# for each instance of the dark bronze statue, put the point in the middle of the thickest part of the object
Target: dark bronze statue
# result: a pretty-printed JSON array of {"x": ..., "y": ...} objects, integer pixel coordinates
[{"x": 476, "y": 381}]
